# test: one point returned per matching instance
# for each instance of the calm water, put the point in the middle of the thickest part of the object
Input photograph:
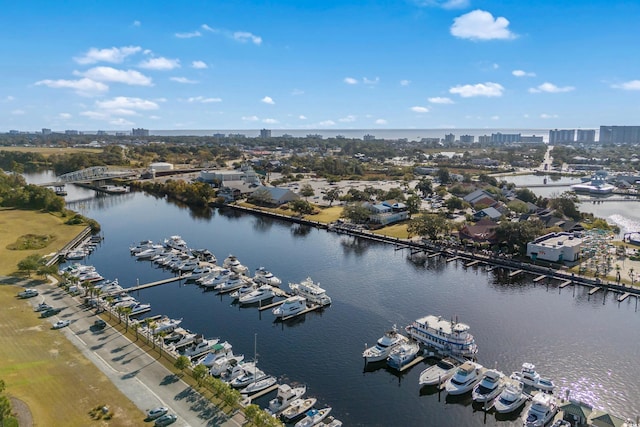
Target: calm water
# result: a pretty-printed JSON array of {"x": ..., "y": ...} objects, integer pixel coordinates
[{"x": 587, "y": 344}]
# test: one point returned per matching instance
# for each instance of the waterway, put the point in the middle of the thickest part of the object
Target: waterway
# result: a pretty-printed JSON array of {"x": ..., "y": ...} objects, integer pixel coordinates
[{"x": 588, "y": 345}]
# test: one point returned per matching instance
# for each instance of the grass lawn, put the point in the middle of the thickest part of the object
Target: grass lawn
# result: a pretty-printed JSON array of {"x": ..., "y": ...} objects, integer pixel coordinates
[
  {"x": 48, "y": 373},
  {"x": 47, "y": 151},
  {"x": 326, "y": 215},
  {"x": 394, "y": 230},
  {"x": 15, "y": 223}
]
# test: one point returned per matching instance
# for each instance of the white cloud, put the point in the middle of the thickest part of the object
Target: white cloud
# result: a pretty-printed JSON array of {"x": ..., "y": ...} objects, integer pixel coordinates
[
  {"x": 84, "y": 87},
  {"x": 183, "y": 80},
  {"x": 371, "y": 81},
  {"x": 488, "y": 89},
  {"x": 481, "y": 25},
  {"x": 199, "y": 65},
  {"x": 136, "y": 23},
  {"x": 445, "y": 4},
  {"x": 114, "y": 55},
  {"x": 270, "y": 121},
  {"x": 121, "y": 122},
  {"x": 64, "y": 116},
  {"x": 522, "y": 73},
  {"x": 495, "y": 117},
  {"x": 267, "y": 100},
  {"x": 548, "y": 116},
  {"x": 18, "y": 112},
  {"x": 208, "y": 28},
  {"x": 245, "y": 36},
  {"x": 405, "y": 82},
  {"x": 327, "y": 123},
  {"x": 495, "y": 66},
  {"x": 302, "y": 117},
  {"x": 110, "y": 74},
  {"x": 381, "y": 122},
  {"x": 348, "y": 119},
  {"x": 419, "y": 109},
  {"x": 9, "y": 98},
  {"x": 124, "y": 103},
  {"x": 160, "y": 63},
  {"x": 630, "y": 85},
  {"x": 350, "y": 81},
  {"x": 189, "y": 35},
  {"x": 440, "y": 100},
  {"x": 203, "y": 100},
  {"x": 550, "y": 88},
  {"x": 526, "y": 116},
  {"x": 250, "y": 118},
  {"x": 297, "y": 92}
]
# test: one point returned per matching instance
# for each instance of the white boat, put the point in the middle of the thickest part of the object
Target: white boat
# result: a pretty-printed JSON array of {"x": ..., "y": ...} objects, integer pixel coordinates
[
  {"x": 258, "y": 385},
  {"x": 403, "y": 354},
  {"x": 217, "y": 279},
  {"x": 139, "y": 308},
  {"x": 75, "y": 269},
  {"x": 237, "y": 369},
  {"x": 224, "y": 364},
  {"x": 313, "y": 417},
  {"x": 189, "y": 265},
  {"x": 247, "y": 378},
  {"x": 76, "y": 254},
  {"x": 464, "y": 379},
  {"x": 448, "y": 337},
  {"x": 140, "y": 246},
  {"x": 529, "y": 377},
  {"x": 291, "y": 306},
  {"x": 264, "y": 292},
  {"x": 385, "y": 344},
  {"x": 176, "y": 242},
  {"x": 233, "y": 264},
  {"x": 541, "y": 411},
  {"x": 200, "y": 347},
  {"x": 165, "y": 325},
  {"x": 234, "y": 281},
  {"x": 510, "y": 399},
  {"x": 491, "y": 385},
  {"x": 265, "y": 277},
  {"x": 111, "y": 289},
  {"x": 311, "y": 291},
  {"x": 150, "y": 252},
  {"x": 246, "y": 288},
  {"x": 185, "y": 340},
  {"x": 331, "y": 422},
  {"x": 202, "y": 271},
  {"x": 286, "y": 394},
  {"x": 438, "y": 373},
  {"x": 217, "y": 351},
  {"x": 297, "y": 408}
]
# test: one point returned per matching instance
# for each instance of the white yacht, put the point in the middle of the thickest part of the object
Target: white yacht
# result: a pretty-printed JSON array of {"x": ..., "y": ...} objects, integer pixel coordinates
[
  {"x": 225, "y": 363},
  {"x": 234, "y": 281},
  {"x": 247, "y": 378},
  {"x": 313, "y": 417},
  {"x": 237, "y": 369},
  {"x": 75, "y": 269},
  {"x": 311, "y": 291},
  {"x": 165, "y": 325},
  {"x": 266, "y": 277},
  {"x": 529, "y": 377},
  {"x": 464, "y": 379},
  {"x": 403, "y": 354},
  {"x": 264, "y": 292},
  {"x": 248, "y": 287},
  {"x": 220, "y": 277},
  {"x": 297, "y": 408},
  {"x": 232, "y": 263},
  {"x": 200, "y": 347},
  {"x": 260, "y": 384},
  {"x": 139, "y": 308},
  {"x": 510, "y": 399},
  {"x": 438, "y": 373},
  {"x": 149, "y": 252},
  {"x": 385, "y": 344},
  {"x": 291, "y": 306},
  {"x": 202, "y": 271},
  {"x": 176, "y": 242},
  {"x": 542, "y": 409},
  {"x": 189, "y": 265},
  {"x": 491, "y": 385},
  {"x": 286, "y": 394},
  {"x": 449, "y": 337},
  {"x": 140, "y": 246},
  {"x": 219, "y": 350}
]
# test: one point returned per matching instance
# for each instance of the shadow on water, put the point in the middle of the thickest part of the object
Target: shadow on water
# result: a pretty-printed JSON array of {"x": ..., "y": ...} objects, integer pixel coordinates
[
  {"x": 262, "y": 224},
  {"x": 355, "y": 246},
  {"x": 300, "y": 230},
  {"x": 462, "y": 399},
  {"x": 230, "y": 213}
]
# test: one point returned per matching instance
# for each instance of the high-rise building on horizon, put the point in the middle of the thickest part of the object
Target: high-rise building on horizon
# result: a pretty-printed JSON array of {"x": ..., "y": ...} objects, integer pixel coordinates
[
  {"x": 619, "y": 134},
  {"x": 586, "y": 136},
  {"x": 467, "y": 139},
  {"x": 562, "y": 136},
  {"x": 505, "y": 138},
  {"x": 265, "y": 133},
  {"x": 139, "y": 132}
]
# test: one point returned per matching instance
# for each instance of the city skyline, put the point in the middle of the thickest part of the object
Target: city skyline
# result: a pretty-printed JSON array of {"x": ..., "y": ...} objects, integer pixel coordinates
[{"x": 414, "y": 64}]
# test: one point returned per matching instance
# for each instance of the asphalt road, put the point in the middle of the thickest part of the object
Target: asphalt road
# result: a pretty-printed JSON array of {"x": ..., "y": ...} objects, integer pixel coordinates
[{"x": 136, "y": 373}]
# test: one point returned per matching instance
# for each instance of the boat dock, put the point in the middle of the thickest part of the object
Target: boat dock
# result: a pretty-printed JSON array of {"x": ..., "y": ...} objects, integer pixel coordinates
[
  {"x": 268, "y": 306},
  {"x": 565, "y": 284},
  {"x": 623, "y": 296},
  {"x": 261, "y": 393},
  {"x": 515, "y": 273},
  {"x": 539, "y": 278},
  {"x": 594, "y": 290},
  {"x": 455, "y": 258},
  {"x": 307, "y": 310},
  {"x": 412, "y": 363},
  {"x": 152, "y": 284},
  {"x": 472, "y": 263}
]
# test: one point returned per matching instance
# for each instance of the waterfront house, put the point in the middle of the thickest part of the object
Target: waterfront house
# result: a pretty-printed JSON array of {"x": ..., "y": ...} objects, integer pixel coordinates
[
  {"x": 555, "y": 247},
  {"x": 483, "y": 231}
]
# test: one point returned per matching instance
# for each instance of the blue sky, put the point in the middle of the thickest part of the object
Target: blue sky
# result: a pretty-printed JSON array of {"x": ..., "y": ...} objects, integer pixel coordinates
[{"x": 296, "y": 64}]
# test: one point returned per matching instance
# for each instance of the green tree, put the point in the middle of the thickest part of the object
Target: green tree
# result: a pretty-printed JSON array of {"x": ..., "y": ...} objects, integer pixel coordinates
[
  {"x": 413, "y": 203},
  {"x": 425, "y": 186},
  {"x": 516, "y": 235},
  {"x": 307, "y": 191},
  {"x": 454, "y": 202},
  {"x": 356, "y": 213},
  {"x": 199, "y": 373},
  {"x": 301, "y": 206},
  {"x": 182, "y": 363},
  {"x": 444, "y": 176},
  {"x": 30, "y": 264},
  {"x": 331, "y": 195},
  {"x": 429, "y": 225}
]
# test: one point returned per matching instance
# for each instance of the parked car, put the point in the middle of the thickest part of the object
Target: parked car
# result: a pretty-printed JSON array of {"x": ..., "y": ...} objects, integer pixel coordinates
[
  {"x": 28, "y": 293},
  {"x": 101, "y": 324},
  {"x": 50, "y": 312},
  {"x": 61, "y": 324},
  {"x": 157, "y": 412},
  {"x": 165, "y": 420},
  {"x": 42, "y": 307}
]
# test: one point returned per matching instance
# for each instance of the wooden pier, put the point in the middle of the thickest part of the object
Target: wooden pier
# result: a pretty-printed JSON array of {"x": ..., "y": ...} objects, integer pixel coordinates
[
  {"x": 515, "y": 273},
  {"x": 624, "y": 296},
  {"x": 565, "y": 284},
  {"x": 594, "y": 290},
  {"x": 152, "y": 284},
  {"x": 455, "y": 258},
  {"x": 539, "y": 278},
  {"x": 307, "y": 310},
  {"x": 435, "y": 254},
  {"x": 412, "y": 363},
  {"x": 262, "y": 393},
  {"x": 268, "y": 306},
  {"x": 472, "y": 263}
]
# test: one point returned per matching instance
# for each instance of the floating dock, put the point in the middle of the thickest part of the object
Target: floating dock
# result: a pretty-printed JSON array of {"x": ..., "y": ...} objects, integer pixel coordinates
[
  {"x": 261, "y": 393},
  {"x": 433, "y": 255},
  {"x": 515, "y": 273},
  {"x": 268, "y": 306},
  {"x": 455, "y": 258},
  {"x": 539, "y": 278},
  {"x": 152, "y": 284},
  {"x": 624, "y": 296},
  {"x": 412, "y": 363},
  {"x": 565, "y": 284},
  {"x": 472, "y": 263},
  {"x": 308, "y": 309},
  {"x": 594, "y": 290}
]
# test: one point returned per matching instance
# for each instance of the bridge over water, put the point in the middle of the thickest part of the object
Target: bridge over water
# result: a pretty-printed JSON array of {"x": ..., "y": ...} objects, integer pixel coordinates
[{"x": 88, "y": 175}]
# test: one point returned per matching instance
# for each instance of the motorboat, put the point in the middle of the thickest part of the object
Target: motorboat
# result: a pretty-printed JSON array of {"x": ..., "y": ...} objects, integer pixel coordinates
[
  {"x": 76, "y": 254},
  {"x": 438, "y": 373},
  {"x": 542, "y": 409},
  {"x": 217, "y": 351},
  {"x": 489, "y": 387},
  {"x": 510, "y": 399},
  {"x": 75, "y": 269},
  {"x": 286, "y": 394},
  {"x": 248, "y": 287},
  {"x": 529, "y": 377},
  {"x": 403, "y": 354},
  {"x": 179, "y": 261},
  {"x": 464, "y": 379},
  {"x": 263, "y": 293},
  {"x": 297, "y": 408},
  {"x": 385, "y": 344},
  {"x": 447, "y": 336},
  {"x": 111, "y": 289},
  {"x": 266, "y": 277},
  {"x": 235, "y": 370},
  {"x": 184, "y": 340},
  {"x": 202, "y": 271},
  {"x": 225, "y": 363},
  {"x": 233, "y": 264},
  {"x": 165, "y": 325},
  {"x": 219, "y": 278},
  {"x": 290, "y": 307},
  {"x": 139, "y": 308},
  {"x": 200, "y": 347},
  {"x": 247, "y": 378},
  {"x": 150, "y": 252},
  {"x": 311, "y": 291},
  {"x": 189, "y": 265},
  {"x": 176, "y": 242},
  {"x": 259, "y": 385},
  {"x": 313, "y": 417},
  {"x": 330, "y": 421},
  {"x": 233, "y": 282}
]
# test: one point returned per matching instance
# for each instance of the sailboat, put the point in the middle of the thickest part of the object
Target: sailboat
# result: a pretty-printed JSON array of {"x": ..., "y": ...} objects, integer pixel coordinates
[{"x": 261, "y": 383}]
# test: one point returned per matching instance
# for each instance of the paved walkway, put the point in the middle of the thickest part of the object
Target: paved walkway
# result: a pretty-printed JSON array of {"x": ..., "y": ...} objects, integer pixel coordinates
[{"x": 136, "y": 373}]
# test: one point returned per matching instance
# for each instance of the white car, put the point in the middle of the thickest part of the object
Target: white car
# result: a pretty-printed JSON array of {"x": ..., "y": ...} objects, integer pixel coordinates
[
  {"x": 157, "y": 412},
  {"x": 61, "y": 324}
]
